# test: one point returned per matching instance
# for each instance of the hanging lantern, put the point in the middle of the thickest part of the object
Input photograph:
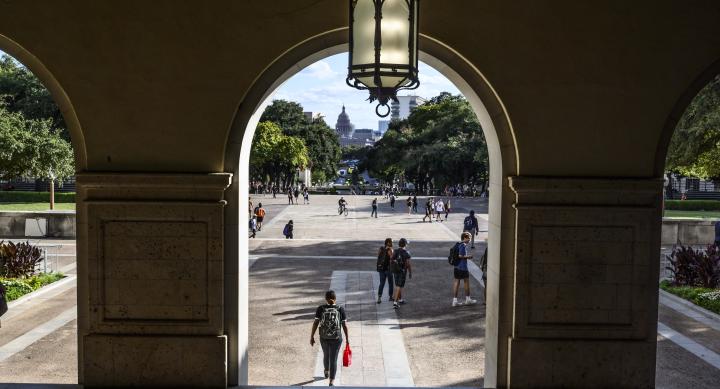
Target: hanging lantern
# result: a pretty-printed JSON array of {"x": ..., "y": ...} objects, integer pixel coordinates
[{"x": 383, "y": 48}]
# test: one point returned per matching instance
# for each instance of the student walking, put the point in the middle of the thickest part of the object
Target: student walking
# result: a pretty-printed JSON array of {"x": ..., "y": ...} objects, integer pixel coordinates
[
  {"x": 447, "y": 208},
  {"x": 253, "y": 226},
  {"x": 374, "y": 208},
  {"x": 392, "y": 200},
  {"x": 329, "y": 318},
  {"x": 409, "y": 204},
  {"x": 260, "y": 215},
  {"x": 460, "y": 272},
  {"x": 414, "y": 203},
  {"x": 470, "y": 225},
  {"x": 297, "y": 194},
  {"x": 383, "y": 268},
  {"x": 428, "y": 210},
  {"x": 290, "y": 195},
  {"x": 439, "y": 209},
  {"x": 306, "y": 196},
  {"x": 288, "y": 230},
  {"x": 402, "y": 269}
]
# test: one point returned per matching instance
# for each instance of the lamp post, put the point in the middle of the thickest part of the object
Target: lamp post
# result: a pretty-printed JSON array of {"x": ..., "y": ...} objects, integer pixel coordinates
[{"x": 383, "y": 52}]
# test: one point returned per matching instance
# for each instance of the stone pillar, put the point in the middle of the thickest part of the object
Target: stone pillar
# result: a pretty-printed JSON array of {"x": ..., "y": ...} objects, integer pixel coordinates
[
  {"x": 150, "y": 279},
  {"x": 586, "y": 282}
]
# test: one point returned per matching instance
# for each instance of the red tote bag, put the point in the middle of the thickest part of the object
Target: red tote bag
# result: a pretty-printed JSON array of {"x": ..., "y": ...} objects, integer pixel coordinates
[{"x": 347, "y": 356}]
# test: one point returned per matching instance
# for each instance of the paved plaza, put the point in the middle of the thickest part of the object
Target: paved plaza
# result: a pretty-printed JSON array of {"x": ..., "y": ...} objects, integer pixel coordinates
[{"x": 424, "y": 343}]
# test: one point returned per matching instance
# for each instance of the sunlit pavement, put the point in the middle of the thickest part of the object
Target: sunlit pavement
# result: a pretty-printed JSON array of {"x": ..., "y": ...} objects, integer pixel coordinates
[{"x": 442, "y": 345}]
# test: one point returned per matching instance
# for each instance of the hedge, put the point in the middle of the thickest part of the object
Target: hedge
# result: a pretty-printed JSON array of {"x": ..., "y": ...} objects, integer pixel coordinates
[
  {"x": 35, "y": 197},
  {"x": 692, "y": 205},
  {"x": 17, "y": 287}
]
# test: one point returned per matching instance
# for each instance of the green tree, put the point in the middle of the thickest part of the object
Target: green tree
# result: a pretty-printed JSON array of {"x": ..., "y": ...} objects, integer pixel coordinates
[
  {"x": 31, "y": 148},
  {"x": 695, "y": 146},
  {"x": 21, "y": 91},
  {"x": 321, "y": 141},
  {"x": 441, "y": 143},
  {"x": 275, "y": 157}
]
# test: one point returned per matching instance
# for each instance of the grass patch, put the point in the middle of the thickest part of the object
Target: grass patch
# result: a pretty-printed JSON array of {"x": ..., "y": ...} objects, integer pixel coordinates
[
  {"x": 13, "y": 196},
  {"x": 18, "y": 287},
  {"x": 34, "y": 207},
  {"x": 692, "y": 214},
  {"x": 707, "y": 298}
]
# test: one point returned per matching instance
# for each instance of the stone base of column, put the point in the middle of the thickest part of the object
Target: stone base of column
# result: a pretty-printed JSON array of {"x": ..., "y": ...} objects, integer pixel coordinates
[
  {"x": 174, "y": 361},
  {"x": 546, "y": 363}
]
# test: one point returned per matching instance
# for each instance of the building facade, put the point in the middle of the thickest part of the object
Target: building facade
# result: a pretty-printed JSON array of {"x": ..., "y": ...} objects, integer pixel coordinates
[{"x": 401, "y": 109}]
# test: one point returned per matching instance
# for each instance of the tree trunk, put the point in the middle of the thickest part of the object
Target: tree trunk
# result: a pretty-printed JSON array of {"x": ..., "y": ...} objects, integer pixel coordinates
[{"x": 52, "y": 194}]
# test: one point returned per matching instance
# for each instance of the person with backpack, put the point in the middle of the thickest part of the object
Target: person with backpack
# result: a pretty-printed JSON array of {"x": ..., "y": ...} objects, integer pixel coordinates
[
  {"x": 429, "y": 209},
  {"x": 401, "y": 269},
  {"x": 329, "y": 318},
  {"x": 288, "y": 230},
  {"x": 470, "y": 225},
  {"x": 260, "y": 215},
  {"x": 253, "y": 226},
  {"x": 460, "y": 270},
  {"x": 383, "y": 269}
]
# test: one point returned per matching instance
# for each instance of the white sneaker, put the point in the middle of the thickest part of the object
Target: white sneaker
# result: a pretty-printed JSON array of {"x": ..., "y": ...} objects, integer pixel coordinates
[
  {"x": 468, "y": 300},
  {"x": 455, "y": 303}
]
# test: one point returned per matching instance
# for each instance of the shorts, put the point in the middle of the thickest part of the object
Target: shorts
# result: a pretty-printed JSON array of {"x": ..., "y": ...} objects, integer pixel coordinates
[
  {"x": 260, "y": 219},
  {"x": 461, "y": 274},
  {"x": 399, "y": 278}
]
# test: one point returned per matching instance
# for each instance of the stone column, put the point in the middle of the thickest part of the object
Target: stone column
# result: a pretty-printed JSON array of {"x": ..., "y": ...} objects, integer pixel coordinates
[
  {"x": 586, "y": 282},
  {"x": 150, "y": 279}
]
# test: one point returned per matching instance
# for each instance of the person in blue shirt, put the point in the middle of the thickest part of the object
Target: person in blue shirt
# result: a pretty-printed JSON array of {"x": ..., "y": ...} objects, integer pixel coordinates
[{"x": 461, "y": 272}]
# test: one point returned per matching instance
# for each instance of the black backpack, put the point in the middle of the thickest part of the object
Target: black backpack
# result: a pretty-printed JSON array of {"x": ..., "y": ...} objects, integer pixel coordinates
[
  {"x": 454, "y": 257},
  {"x": 330, "y": 323},
  {"x": 397, "y": 263},
  {"x": 382, "y": 259},
  {"x": 468, "y": 224}
]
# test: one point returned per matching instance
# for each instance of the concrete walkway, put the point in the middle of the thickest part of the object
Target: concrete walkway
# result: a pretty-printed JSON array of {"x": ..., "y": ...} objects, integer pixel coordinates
[{"x": 426, "y": 343}]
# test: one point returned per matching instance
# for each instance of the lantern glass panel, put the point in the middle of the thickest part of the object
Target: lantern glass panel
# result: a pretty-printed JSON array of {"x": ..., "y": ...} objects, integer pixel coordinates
[
  {"x": 364, "y": 33},
  {"x": 395, "y": 27}
]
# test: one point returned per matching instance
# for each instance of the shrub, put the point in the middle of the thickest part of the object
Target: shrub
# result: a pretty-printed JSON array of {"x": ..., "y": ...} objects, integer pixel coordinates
[
  {"x": 15, "y": 288},
  {"x": 19, "y": 260},
  {"x": 704, "y": 297},
  {"x": 692, "y": 205},
  {"x": 692, "y": 267}
]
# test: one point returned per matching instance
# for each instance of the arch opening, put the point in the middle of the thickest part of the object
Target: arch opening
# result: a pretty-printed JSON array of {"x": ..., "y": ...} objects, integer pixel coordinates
[{"x": 502, "y": 161}]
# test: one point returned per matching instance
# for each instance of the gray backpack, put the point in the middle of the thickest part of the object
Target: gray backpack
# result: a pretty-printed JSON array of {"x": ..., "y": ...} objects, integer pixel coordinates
[{"x": 330, "y": 323}]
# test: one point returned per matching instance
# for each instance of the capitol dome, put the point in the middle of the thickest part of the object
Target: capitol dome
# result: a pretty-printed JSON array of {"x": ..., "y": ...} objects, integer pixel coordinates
[{"x": 343, "y": 127}]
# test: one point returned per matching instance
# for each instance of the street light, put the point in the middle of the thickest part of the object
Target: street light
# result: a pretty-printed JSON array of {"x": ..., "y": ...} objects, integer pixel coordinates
[{"x": 383, "y": 54}]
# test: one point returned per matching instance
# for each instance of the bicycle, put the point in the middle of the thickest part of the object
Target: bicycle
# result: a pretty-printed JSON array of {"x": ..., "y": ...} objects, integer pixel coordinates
[{"x": 342, "y": 209}]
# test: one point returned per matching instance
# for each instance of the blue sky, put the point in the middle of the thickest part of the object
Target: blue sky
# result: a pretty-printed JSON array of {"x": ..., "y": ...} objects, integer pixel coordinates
[{"x": 321, "y": 88}]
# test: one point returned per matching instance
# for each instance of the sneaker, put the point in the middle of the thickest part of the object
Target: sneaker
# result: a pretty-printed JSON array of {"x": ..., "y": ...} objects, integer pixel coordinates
[
  {"x": 455, "y": 303},
  {"x": 468, "y": 300},
  {"x": 396, "y": 306},
  {"x": 327, "y": 373},
  {"x": 401, "y": 301}
]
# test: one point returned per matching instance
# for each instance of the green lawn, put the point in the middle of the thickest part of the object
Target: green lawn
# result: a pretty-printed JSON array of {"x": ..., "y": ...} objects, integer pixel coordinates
[
  {"x": 693, "y": 214},
  {"x": 36, "y": 206}
]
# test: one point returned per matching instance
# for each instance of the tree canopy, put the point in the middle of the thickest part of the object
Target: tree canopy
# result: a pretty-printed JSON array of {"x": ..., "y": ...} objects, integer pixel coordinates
[
  {"x": 441, "y": 143},
  {"x": 275, "y": 157},
  {"x": 21, "y": 91},
  {"x": 32, "y": 148},
  {"x": 322, "y": 143},
  {"x": 695, "y": 146}
]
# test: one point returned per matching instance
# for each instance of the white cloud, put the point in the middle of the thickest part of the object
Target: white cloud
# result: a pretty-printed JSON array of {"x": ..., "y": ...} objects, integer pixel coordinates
[{"x": 320, "y": 70}]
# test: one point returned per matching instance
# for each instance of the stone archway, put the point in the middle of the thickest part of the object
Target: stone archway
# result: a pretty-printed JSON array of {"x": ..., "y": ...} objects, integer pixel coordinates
[
  {"x": 503, "y": 163},
  {"x": 58, "y": 94}
]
